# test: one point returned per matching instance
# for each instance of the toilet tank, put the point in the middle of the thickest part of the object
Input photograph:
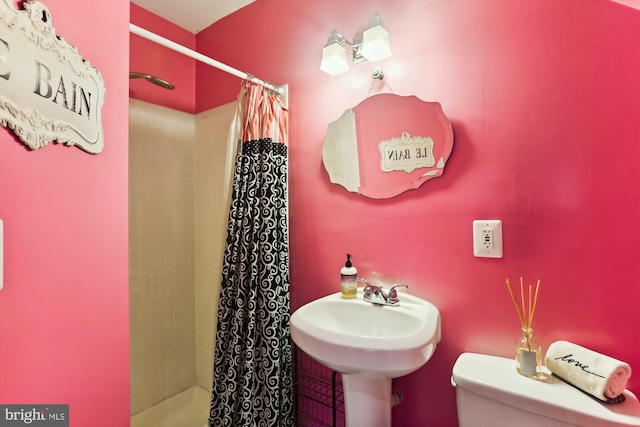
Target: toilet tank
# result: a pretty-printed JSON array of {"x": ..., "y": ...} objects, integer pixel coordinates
[{"x": 490, "y": 393}]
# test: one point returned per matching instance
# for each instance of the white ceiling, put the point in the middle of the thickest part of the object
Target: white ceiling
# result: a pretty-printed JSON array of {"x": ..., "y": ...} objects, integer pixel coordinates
[
  {"x": 631, "y": 3},
  {"x": 192, "y": 15}
]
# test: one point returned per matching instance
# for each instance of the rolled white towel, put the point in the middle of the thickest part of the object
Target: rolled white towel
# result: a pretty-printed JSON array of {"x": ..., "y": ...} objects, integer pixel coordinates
[{"x": 597, "y": 374}]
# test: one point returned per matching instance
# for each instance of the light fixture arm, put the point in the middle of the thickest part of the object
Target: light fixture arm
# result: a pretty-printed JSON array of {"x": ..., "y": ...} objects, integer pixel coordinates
[
  {"x": 335, "y": 35},
  {"x": 355, "y": 45}
]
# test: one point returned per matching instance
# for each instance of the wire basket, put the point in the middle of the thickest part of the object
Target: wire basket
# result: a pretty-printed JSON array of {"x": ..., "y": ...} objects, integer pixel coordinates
[{"x": 319, "y": 400}]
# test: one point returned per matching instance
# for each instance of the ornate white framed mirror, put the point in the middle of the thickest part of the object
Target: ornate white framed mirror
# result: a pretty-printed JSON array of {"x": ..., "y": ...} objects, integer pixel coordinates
[{"x": 387, "y": 144}]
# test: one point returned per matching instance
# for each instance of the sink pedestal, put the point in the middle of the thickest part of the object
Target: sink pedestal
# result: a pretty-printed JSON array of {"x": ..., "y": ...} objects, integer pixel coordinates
[{"x": 367, "y": 401}]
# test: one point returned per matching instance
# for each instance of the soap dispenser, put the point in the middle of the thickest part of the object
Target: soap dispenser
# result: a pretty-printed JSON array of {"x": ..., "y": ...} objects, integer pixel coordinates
[{"x": 348, "y": 279}]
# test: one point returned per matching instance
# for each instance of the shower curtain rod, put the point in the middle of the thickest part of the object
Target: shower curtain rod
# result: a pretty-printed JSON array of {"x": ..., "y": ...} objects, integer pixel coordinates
[{"x": 202, "y": 58}]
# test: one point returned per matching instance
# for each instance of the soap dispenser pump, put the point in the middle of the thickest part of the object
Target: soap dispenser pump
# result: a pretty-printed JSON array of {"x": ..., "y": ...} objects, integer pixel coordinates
[{"x": 348, "y": 279}]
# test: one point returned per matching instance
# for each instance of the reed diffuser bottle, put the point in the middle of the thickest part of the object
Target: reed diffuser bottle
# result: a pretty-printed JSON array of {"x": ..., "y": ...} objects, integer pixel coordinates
[
  {"x": 528, "y": 350},
  {"x": 528, "y": 355}
]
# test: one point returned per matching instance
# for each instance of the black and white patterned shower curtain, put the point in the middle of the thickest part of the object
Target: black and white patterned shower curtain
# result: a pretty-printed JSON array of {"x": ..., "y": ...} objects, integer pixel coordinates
[{"x": 252, "y": 384}]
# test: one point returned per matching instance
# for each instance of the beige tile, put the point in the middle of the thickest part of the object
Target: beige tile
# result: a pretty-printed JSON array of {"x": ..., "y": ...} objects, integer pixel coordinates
[{"x": 189, "y": 408}]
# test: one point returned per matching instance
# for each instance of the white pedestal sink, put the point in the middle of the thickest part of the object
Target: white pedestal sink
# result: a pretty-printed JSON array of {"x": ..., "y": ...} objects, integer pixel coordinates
[{"x": 369, "y": 345}]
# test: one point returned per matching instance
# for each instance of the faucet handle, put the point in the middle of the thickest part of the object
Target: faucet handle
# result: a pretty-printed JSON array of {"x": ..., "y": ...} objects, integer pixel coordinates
[
  {"x": 392, "y": 296},
  {"x": 373, "y": 289},
  {"x": 368, "y": 287}
]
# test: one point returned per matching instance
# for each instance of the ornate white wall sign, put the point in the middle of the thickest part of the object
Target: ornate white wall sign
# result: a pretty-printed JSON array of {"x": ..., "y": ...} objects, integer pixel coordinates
[{"x": 47, "y": 91}]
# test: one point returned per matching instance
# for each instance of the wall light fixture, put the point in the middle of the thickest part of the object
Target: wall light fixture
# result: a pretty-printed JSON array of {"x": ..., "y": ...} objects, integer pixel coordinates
[{"x": 372, "y": 45}]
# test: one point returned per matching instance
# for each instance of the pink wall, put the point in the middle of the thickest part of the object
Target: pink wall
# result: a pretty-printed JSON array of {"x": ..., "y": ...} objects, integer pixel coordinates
[
  {"x": 544, "y": 100},
  {"x": 64, "y": 318},
  {"x": 543, "y": 97},
  {"x": 151, "y": 58}
]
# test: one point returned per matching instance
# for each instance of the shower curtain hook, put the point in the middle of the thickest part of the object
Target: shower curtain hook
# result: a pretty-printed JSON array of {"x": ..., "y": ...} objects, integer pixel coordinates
[
  {"x": 270, "y": 88},
  {"x": 248, "y": 79}
]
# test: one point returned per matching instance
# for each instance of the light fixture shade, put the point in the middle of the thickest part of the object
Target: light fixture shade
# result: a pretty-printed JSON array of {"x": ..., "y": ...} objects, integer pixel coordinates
[
  {"x": 375, "y": 44},
  {"x": 334, "y": 59}
]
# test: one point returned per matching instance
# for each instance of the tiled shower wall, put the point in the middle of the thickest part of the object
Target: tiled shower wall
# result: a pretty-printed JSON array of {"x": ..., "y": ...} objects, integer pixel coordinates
[
  {"x": 177, "y": 221},
  {"x": 161, "y": 268}
]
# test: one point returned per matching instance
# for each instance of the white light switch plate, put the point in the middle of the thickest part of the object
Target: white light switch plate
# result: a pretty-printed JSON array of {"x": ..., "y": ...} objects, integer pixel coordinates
[{"x": 487, "y": 238}]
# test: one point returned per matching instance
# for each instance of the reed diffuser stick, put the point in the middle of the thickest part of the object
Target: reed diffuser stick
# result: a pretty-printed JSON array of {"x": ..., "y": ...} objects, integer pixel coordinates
[
  {"x": 529, "y": 304},
  {"x": 515, "y": 303},
  {"x": 535, "y": 301},
  {"x": 524, "y": 313}
]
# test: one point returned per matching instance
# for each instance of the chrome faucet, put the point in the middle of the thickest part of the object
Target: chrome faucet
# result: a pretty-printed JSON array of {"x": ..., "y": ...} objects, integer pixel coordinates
[{"x": 376, "y": 295}]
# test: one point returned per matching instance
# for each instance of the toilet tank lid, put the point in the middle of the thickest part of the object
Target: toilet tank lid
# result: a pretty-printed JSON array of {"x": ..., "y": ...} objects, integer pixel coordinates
[{"x": 496, "y": 378}]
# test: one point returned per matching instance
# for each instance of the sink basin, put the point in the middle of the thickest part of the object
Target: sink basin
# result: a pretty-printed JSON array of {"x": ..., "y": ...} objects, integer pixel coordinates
[{"x": 352, "y": 336}]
